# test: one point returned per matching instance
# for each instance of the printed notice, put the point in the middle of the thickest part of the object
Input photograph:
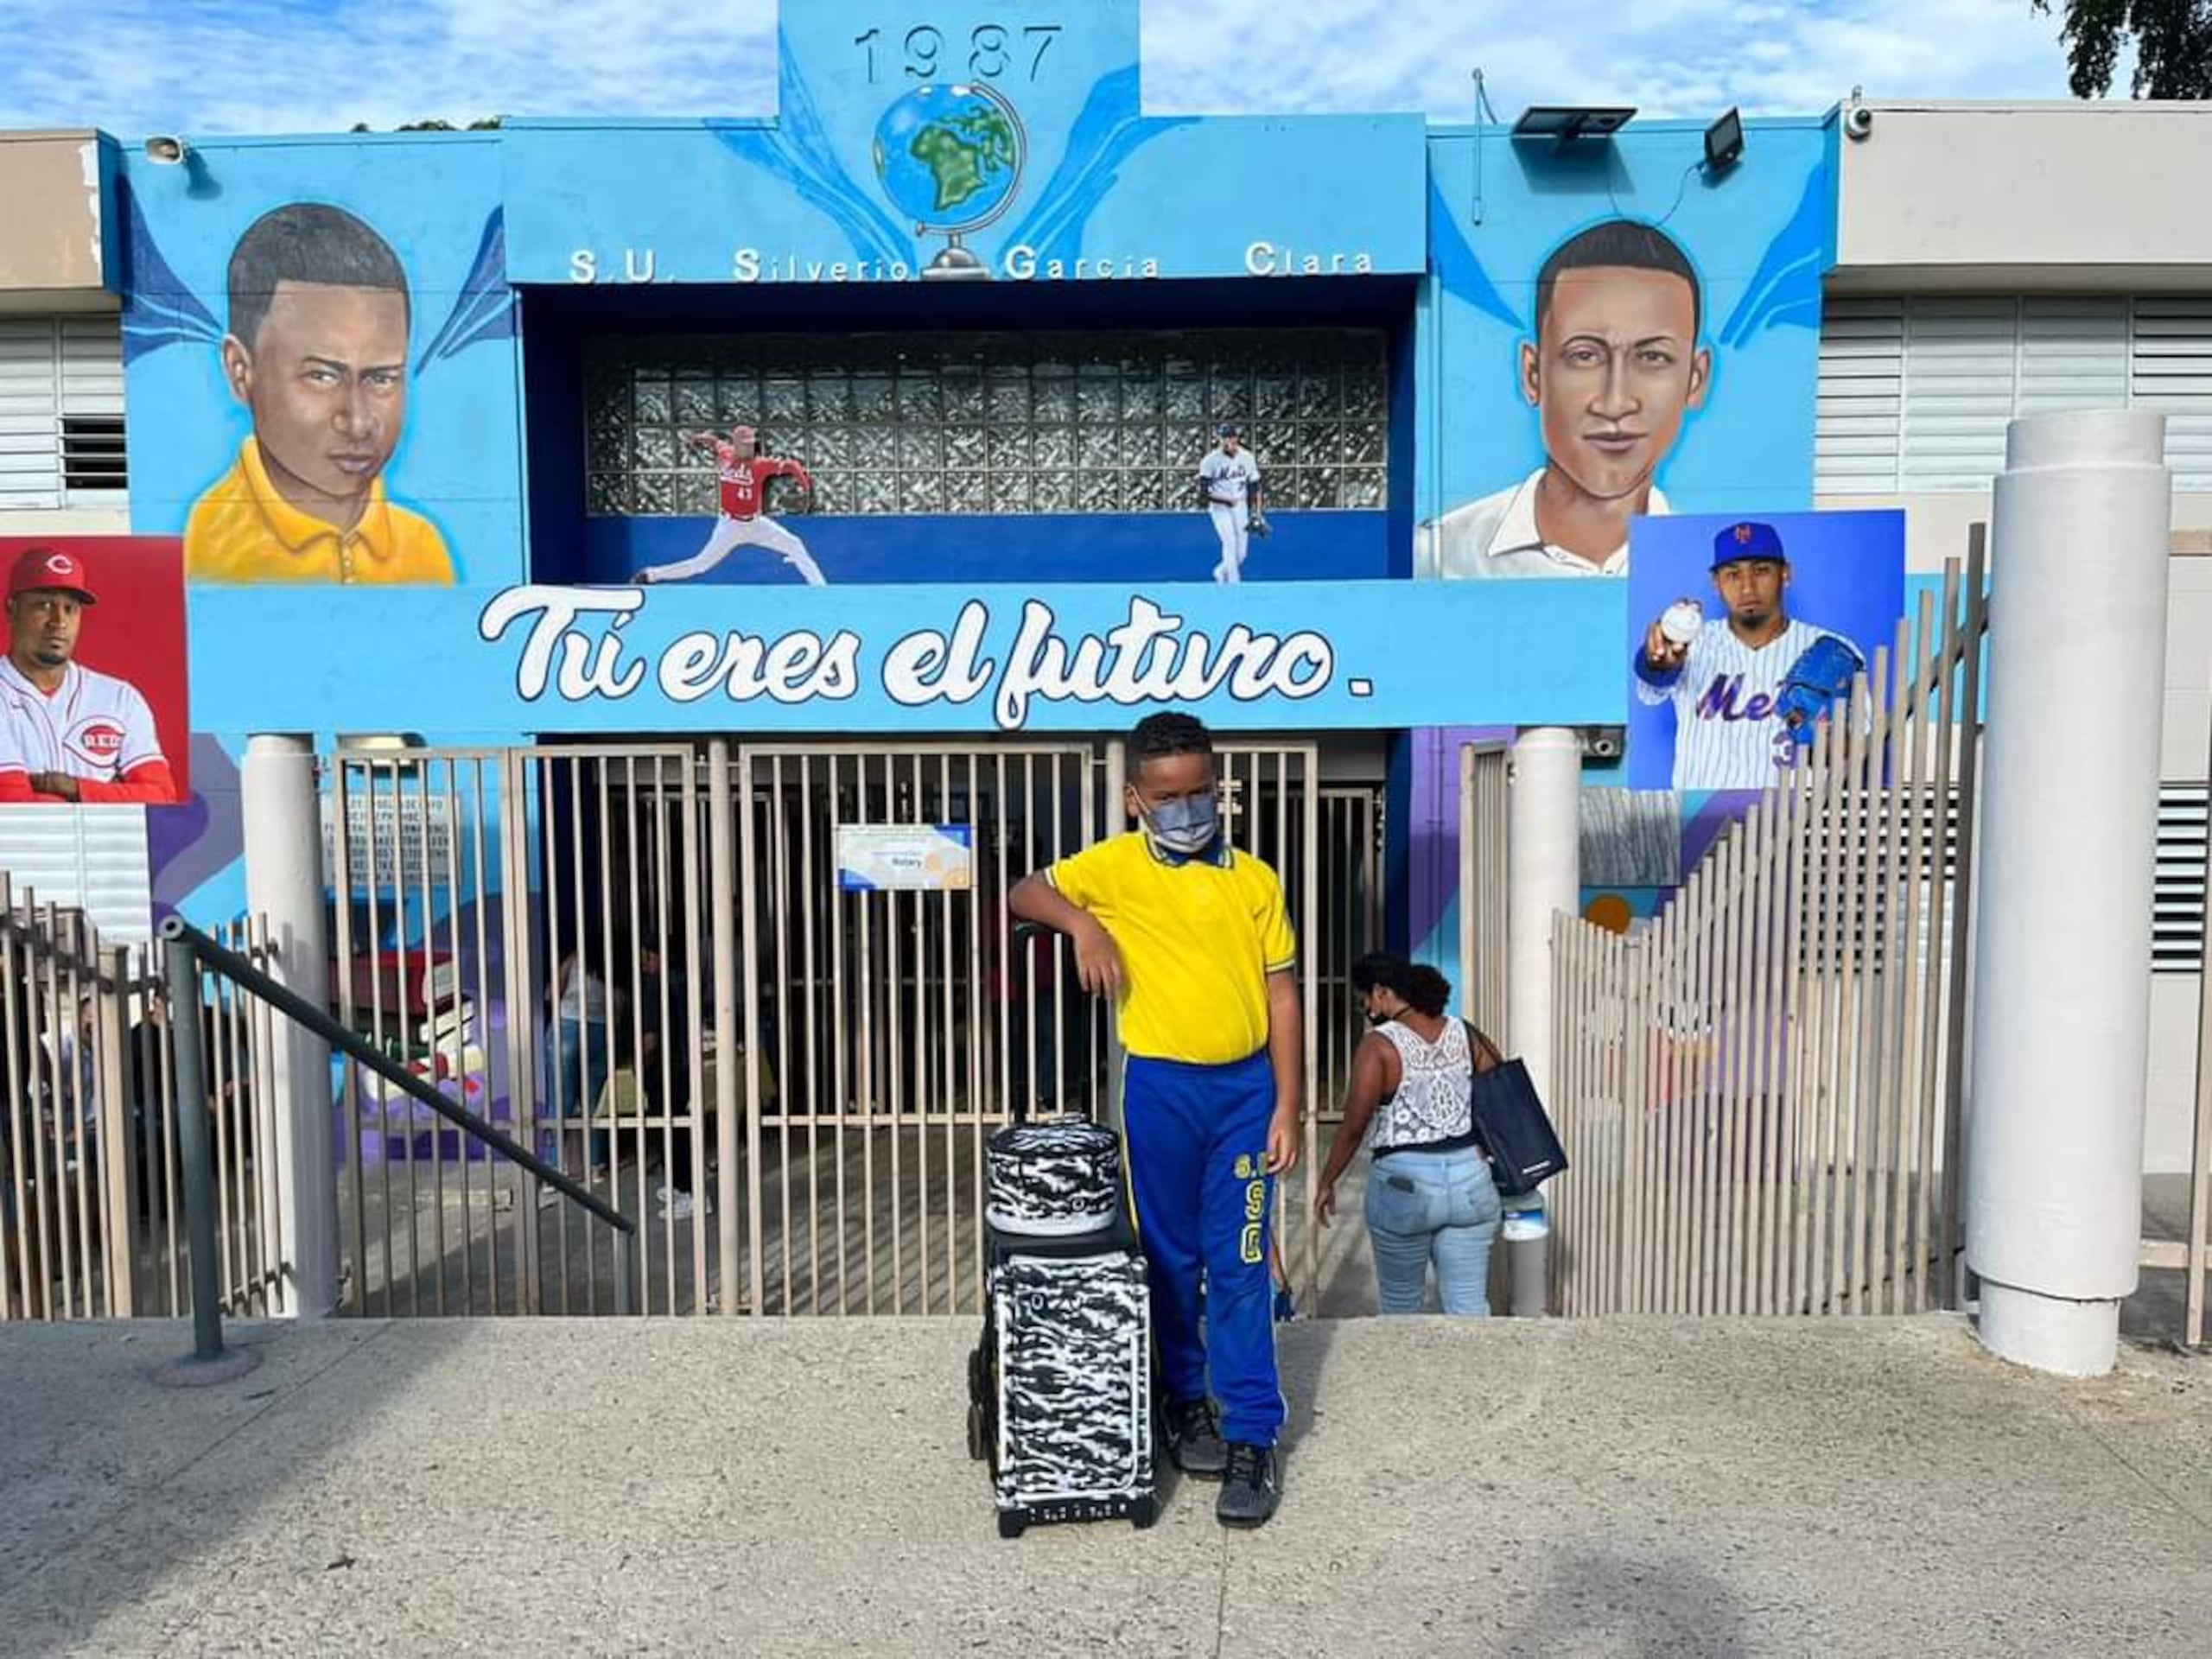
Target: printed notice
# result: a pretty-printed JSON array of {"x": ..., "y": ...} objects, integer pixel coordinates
[{"x": 915, "y": 857}]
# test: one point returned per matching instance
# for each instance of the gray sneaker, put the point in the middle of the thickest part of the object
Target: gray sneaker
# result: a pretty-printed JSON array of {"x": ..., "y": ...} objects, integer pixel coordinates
[
  {"x": 1250, "y": 1489},
  {"x": 1194, "y": 1439}
]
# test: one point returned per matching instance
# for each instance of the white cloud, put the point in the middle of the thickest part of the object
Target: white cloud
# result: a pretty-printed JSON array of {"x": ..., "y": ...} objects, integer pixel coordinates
[{"x": 292, "y": 66}]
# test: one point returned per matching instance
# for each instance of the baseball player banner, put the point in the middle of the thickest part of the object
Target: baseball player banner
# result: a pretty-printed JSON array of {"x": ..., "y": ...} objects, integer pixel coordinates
[
  {"x": 1744, "y": 634},
  {"x": 93, "y": 707}
]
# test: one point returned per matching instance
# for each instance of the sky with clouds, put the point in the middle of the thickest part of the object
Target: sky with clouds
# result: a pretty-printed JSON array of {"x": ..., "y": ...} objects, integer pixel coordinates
[{"x": 301, "y": 66}]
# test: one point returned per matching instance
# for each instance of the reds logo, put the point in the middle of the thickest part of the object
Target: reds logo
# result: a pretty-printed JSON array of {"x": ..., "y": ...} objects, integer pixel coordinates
[
  {"x": 61, "y": 564},
  {"x": 100, "y": 739}
]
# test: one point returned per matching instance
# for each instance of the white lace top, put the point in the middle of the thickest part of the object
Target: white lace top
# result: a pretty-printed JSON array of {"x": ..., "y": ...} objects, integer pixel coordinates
[{"x": 1434, "y": 1083}]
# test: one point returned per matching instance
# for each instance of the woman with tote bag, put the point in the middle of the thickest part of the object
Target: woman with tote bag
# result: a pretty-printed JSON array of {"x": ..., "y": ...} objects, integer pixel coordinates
[{"x": 1431, "y": 1200}]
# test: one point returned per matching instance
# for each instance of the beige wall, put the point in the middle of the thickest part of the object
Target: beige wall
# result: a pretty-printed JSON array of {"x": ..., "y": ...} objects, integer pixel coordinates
[
  {"x": 51, "y": 258},
  {"x": 65, "y": 521},
  {"x": 2026, "y": 194},
  {"x": 1936, "y": 529}
]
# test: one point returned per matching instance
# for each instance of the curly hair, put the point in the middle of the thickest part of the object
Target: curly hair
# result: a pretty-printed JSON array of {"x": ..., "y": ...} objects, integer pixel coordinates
[{"x": 1421, "y": 986}]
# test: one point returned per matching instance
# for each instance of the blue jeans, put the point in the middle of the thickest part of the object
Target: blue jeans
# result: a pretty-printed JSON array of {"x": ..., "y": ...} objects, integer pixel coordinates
[
  {"x": 573, "y": 1071},
  {"x": 1433, "y": 1206}
]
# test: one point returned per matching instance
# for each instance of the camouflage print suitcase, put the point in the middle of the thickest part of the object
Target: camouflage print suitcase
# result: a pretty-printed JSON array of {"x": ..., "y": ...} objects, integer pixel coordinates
[{"x": 1060, "y": 1385}]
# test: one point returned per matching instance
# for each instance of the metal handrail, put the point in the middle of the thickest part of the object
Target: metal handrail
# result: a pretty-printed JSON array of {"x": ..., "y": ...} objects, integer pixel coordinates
[{"x": 189, "y": 949}]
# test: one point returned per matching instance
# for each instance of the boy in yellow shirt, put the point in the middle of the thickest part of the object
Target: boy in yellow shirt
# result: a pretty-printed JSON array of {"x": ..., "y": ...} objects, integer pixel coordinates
[{"x": 1191, "y": 937}]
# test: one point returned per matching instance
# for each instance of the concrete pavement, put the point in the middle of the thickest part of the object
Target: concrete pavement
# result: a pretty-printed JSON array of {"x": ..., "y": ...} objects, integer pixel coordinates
[{"x": 773, "y": 1488}]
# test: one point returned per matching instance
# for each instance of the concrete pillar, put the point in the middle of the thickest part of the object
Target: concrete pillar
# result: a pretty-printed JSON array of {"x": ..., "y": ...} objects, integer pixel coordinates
[
  {"x": 283, "y": 828},
  {"x": 2054, "y": 1138},
  {"x": 1543, "y": 876}
]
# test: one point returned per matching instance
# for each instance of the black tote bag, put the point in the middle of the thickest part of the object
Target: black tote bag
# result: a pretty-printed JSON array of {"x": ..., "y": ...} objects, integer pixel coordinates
[{"x": 1510, "y": 1121}]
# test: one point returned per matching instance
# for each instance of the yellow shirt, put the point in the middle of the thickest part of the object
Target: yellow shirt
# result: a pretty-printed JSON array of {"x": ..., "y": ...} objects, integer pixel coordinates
[
  {"x": 244, "y": 531},
  {"x": 1199, "y": 938}
]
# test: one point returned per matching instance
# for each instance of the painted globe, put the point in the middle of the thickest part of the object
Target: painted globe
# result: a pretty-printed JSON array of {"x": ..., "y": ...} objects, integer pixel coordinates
[{"x": 949, "y": 157}]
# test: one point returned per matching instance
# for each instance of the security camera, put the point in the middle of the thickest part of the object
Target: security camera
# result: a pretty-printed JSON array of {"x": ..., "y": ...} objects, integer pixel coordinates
[
  {"x": 1602, "y": 742},
  {"x": 167, "y": 148},
  {"x": 1858, "y": 121}
]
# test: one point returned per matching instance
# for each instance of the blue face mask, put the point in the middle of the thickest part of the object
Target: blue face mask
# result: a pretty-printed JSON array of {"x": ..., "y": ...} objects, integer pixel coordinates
[{"x": 1186, "y": 827}]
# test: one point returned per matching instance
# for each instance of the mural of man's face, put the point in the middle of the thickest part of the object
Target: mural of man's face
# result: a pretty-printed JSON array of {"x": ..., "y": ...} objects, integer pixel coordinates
[
  {"x": 1616, "y": 367},
  {"x": 326, "y": 378}
]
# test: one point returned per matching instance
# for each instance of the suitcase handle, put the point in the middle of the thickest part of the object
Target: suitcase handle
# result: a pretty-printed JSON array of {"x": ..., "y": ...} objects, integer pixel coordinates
[{"x": 1023, "y": 932}]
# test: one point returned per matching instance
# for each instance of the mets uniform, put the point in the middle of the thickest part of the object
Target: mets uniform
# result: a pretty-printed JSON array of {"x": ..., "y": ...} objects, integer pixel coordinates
[
  {"x": 1726, "y": 732},
  {"x": 95, "y": 728},
  {"x": 1227, "y": 480},
  {"x": 743, "y": 523}
]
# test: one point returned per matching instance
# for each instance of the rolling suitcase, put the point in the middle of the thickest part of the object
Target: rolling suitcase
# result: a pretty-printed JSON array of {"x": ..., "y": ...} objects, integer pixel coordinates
[{"x": 1060, "y": 1399}]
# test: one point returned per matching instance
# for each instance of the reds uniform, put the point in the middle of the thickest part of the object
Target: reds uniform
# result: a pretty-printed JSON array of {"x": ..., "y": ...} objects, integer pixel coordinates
[
  {"x": 743, "y": 523},
  {"x": 1228, "y": 481},
  {"x": 92, "y": 726}
]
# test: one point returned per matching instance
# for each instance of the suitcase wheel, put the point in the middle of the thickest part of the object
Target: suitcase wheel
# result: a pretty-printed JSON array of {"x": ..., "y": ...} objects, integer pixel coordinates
[
  {"x": 979, "y": 1379},
  {"x": 1010, "y": 1524},
  {"x": 979, "y": 1438},
  {"x": 1144, "y": 1512}
]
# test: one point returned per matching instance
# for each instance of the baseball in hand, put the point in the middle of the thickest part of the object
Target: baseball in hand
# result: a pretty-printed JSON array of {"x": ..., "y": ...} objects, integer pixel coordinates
[{"x": 1682, "y": 621}]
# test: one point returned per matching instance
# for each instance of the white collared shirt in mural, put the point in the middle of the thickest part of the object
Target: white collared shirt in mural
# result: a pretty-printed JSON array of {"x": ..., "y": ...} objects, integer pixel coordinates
[{"x": 1497, "y": 537}]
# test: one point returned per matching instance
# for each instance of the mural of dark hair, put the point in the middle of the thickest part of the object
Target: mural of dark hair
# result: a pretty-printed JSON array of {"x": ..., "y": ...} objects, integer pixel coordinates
[
  {"x": 1416, "y": 982},
  {"x": 1161, "y": 737},
  {"x": 305, "y": 242},
  {"x": 1620, "y": 243}
]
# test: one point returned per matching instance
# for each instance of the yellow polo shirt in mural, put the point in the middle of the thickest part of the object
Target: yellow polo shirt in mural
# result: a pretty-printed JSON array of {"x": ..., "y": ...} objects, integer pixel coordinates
[
  {"x": 1199, "y": 937},
  {"x": 243, "y": 530}
]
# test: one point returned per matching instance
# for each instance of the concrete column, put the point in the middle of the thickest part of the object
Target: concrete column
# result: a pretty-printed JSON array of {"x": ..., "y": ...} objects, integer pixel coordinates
[
  {"x": 2054, "y": 1138},
  {"x": 1543, "y": 876},
  {"x": 284, "y": 887}
]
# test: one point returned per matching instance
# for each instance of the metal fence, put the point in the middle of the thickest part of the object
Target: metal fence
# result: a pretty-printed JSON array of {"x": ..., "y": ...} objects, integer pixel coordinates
[
  {"x": 657, "y": 958},
  {"x": 91, "y": 1220},
  {"x": 1760, "y": 1089}
]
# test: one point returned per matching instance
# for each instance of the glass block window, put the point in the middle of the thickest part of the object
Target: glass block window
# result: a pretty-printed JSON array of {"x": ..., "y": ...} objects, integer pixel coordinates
[{"x": 993, "y": 423}]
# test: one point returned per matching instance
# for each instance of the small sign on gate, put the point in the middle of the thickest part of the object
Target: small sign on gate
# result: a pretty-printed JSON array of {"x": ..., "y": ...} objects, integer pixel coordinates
[{"x": 918, "y": 857}]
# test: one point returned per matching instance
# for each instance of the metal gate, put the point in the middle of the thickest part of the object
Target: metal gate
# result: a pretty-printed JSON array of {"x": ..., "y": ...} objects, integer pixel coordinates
[
  {"x": 1761, "y": 1090},
  {"x": 660, "y": 960},
  {"x": 91, "y": 1205}
]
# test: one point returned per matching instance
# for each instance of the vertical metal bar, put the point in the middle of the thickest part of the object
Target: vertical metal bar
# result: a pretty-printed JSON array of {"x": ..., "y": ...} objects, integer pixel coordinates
[
  {"x": 517, "y": 797},
  {"x": 634, "y": 849},
  {"x": 842, "y": 1068},
  {"x": 70, "y": 1102},
  {"x": 199, "y": 1166},
  {"x": 21, "y": 1106},
  {"x": 798, "y": 891},
  {"x": 895, "y": 1048},
  {"x": 751, "y": 890},
  {"x": 1792, "y": 1043},
  {"x": 429, "y": 1031},
  {"x": 1903, "y": 918},
  {"x": 702, "y": 1188},
  {"x": 734, "y": 898},
  {"x": 1682, "y": 918},
  {"x": 119, "y": 1137},
  {"x": 1857, "y": 1035},
  {"x": 1843, "y": 806},
  {"x": 1965, "y": 886},
  {"x": 1827, "y": 772},
  {"x": 479, "y": 1021},
  {"x": 46, "y": 1026},
  {"x": 1932, "y": 1275},
  {"x": 1309, "y": 759},
  {"x": 1751, "y": 1146},
  {"x": 610, "y": 981}
]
